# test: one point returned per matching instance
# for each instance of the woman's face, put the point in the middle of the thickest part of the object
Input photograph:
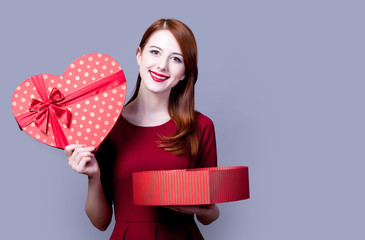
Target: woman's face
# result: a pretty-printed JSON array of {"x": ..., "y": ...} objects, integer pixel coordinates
[{"x": 161, "y": 64}]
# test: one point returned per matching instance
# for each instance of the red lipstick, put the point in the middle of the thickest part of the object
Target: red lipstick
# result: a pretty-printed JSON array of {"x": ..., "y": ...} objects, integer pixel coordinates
[{"x": 158, "y": 77}]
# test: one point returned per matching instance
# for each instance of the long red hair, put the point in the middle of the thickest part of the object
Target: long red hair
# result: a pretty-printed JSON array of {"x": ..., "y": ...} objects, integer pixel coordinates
[{"x": 181, "y": 106}]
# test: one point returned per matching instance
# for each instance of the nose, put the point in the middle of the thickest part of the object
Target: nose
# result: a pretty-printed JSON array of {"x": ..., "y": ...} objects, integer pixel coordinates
[{"x": 162, "y": 64}]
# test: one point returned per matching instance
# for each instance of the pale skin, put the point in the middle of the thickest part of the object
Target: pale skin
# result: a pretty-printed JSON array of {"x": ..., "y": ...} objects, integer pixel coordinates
[
  {"x": 82, "y": 160},
  {"x": 161, "y": 55}
]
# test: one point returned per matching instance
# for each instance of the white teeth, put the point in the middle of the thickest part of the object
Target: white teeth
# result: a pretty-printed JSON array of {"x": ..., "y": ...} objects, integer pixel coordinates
[{"x": 158, "y": 76}]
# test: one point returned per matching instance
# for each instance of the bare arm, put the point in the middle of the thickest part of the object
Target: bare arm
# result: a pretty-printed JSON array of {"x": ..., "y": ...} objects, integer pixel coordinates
[
  {"x": 83, "y": 161},
  {"x": 97, "y": 208}
]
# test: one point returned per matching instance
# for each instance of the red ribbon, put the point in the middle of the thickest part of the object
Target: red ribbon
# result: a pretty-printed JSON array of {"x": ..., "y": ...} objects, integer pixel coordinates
[
  {"x": 52, "y": 108},
  {"x": 43, "y": 110}
]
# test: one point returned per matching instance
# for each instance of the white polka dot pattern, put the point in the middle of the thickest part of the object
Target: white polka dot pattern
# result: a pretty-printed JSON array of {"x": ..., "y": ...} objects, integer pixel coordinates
[{"x": 93, "y": 117}]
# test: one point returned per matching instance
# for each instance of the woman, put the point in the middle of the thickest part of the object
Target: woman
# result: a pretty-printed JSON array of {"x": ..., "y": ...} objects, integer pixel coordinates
[{"x": 158, "y": 129}]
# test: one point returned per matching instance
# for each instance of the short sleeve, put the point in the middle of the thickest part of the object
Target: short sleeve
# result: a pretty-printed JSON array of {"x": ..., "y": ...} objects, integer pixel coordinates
[{"x": 207, "y": 153}]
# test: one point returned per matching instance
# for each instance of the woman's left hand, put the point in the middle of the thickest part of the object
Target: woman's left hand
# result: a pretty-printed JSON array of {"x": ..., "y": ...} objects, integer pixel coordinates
[
  {"x": 193, "y": 209},
  {"x": 206, "y": 214}
]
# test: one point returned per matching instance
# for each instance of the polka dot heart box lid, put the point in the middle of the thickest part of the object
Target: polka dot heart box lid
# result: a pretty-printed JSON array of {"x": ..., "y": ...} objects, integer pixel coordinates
[{"x": 81, "y": 106}]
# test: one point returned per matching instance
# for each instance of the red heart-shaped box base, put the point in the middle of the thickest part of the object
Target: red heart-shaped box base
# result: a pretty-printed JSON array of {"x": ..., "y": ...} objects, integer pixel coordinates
[{"x": 81, "y": 106}]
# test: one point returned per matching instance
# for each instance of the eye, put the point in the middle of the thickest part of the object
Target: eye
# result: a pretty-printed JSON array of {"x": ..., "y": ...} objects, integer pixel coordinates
[
  {"x": 154, "y": 52},
  {"x": 176, "y": 59}
]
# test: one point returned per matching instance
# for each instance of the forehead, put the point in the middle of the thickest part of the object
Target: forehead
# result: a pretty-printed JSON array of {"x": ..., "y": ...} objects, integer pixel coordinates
[{"x": 164, "y": 40}]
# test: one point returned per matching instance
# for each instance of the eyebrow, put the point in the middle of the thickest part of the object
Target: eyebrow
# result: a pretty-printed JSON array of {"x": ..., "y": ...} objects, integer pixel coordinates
[{"x": 162, "y": 50}]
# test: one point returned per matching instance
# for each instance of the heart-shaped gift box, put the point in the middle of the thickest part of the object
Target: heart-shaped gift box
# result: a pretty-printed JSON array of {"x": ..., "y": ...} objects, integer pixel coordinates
[{"x": 81, "y": 106}]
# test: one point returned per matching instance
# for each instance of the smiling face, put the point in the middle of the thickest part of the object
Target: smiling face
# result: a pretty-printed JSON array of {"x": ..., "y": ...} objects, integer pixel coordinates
[{"x": 161, "y": 64}]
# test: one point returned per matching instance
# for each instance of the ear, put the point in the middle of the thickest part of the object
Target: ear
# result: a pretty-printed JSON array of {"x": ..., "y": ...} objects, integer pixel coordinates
[{"x": 139, "y": 55}]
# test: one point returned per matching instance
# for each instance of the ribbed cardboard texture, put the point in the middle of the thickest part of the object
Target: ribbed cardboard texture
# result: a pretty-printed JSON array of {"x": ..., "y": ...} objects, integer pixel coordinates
[{"x": 197, "y": 186}]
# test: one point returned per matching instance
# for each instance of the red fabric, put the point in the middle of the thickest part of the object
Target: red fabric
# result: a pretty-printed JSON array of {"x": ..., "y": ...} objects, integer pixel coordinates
[{"x": 136, "y": 150}]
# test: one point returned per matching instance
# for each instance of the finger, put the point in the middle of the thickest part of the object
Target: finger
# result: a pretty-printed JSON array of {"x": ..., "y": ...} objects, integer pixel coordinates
[
  {"x": 77, "y": 151},
  {"x": 82, "y": 155},
  {"x": 90, "y": 148},
  {"x": 85, "y": 161},
  {"x": 172, "y": 208},
  {"x": 73, "y": 158},
  {"x": 190, "y": 209},
  {"x": 73, "y": 147},
  {"x": 82, "y": 152},
  {"x": 176, "y": 209},
  {"x": 83, "y": 148},
  {"x": 83, "y": 164},
  {"x": 70, "y": 148},
  {"x": 209, "y": 206},
  {"x": 76, "y": 157}
]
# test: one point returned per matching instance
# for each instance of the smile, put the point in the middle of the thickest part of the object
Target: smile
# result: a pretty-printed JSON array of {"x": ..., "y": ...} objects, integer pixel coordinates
[{"x": 158, "y": 77}]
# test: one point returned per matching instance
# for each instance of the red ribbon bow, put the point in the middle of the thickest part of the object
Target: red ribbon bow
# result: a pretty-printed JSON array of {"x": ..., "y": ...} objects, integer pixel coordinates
[{"x": 50, "y": 107}]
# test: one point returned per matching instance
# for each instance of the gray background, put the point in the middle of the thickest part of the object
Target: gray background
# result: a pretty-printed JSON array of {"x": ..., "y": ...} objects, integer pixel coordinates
[{"x": 283, "y": 82}]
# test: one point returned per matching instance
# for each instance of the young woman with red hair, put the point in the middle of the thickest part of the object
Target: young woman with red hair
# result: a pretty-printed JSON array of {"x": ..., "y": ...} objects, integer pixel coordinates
[{"x": 158, "y": 129}]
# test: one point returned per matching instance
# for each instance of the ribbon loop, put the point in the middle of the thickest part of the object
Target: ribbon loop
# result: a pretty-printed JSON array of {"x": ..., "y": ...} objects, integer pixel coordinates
[
  {"x": 36, "y": 105},
  {"x": 56, "y": 95}
]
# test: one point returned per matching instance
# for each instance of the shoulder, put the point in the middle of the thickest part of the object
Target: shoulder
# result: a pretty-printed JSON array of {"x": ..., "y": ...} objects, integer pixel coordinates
[{"x": 203, "y": 121}]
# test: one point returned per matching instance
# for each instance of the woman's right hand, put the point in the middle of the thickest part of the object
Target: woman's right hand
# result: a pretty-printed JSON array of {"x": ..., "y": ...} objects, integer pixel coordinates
[{"x": 82, "y": 160}]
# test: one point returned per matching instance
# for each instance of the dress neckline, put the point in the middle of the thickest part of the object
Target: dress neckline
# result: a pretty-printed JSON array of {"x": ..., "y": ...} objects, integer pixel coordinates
[{"x": 140, "y": 126}]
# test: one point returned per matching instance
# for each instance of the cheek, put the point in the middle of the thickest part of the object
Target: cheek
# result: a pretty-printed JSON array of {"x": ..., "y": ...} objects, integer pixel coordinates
[
  {"x": 147, "y": 61},
  {"x": 179, "y": 71}
]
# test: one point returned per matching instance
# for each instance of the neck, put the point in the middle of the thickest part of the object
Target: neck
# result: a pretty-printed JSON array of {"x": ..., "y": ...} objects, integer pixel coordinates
[{"x": 148, "y": 109}]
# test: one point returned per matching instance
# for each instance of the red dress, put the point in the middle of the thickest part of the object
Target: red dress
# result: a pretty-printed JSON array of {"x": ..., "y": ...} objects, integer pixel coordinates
[{"x": 134, "y": 148}]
